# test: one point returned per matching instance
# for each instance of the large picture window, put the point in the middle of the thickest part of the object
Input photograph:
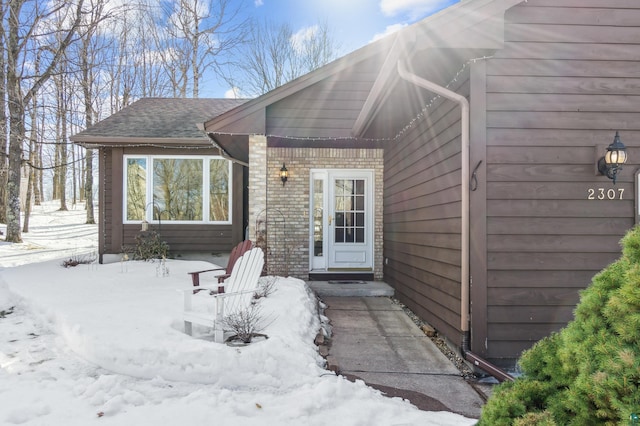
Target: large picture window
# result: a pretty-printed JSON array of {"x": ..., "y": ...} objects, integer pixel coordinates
[{"x": 179, "y": 189}]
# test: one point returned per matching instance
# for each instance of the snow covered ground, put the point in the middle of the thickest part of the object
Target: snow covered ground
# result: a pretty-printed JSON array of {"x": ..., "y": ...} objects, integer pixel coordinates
[{"x": 104, "y": 344}]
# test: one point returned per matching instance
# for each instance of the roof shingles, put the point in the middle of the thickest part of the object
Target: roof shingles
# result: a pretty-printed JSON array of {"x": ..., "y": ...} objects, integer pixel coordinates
[{"x": 165, "y": 118}]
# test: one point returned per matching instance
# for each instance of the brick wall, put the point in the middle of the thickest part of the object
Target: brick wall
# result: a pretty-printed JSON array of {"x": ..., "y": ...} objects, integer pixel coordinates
[{"x": 285, "y": 209}]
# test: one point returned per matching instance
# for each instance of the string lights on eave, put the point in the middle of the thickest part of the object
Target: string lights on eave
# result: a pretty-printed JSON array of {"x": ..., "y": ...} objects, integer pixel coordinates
[
  {"x": 422, "y": 114},
  {"x": 412, "y": 123}
]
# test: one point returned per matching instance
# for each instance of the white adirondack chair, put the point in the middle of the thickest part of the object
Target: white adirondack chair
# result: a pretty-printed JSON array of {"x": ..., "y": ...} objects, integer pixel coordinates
[{"x": 210, "y": 309}]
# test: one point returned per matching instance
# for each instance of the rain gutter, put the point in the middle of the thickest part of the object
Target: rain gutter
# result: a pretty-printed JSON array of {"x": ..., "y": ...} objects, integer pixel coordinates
[
  {"x": 465, "y": 231},
  {"x": 223, "y": 153}
]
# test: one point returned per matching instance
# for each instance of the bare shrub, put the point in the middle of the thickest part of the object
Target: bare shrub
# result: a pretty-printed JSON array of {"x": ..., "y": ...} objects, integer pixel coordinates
[
  {"x": 245, "y": 323},
  {"x": 266, "y": 286},
  {"x": 75, "y": 260}
]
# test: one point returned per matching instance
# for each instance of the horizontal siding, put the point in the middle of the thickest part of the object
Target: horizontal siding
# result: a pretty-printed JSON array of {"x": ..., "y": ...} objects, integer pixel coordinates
[
  {"x": 583, "y": 137},
  {"x": 535, "y": 261},
  {"x": 560, "y": 208},
  {"x": 581, "y": 12},
  {"x": 571, "y": 51},
  {"x": 421, "y": 227},
  {"x": 541, "y": 279},
  {"x": 552, "y": 225},
  {"x": 326, "y": 109},
  {"x": 105, "y": 221},
  {"x": 549, "y": 68},
  {"x": 188, "y": 238},
  {"x": 422, "y": 210},
  {"x": 625, "y": 101},
  {"x": 507, "y": 317},
  {"x": 567, "y": 78},
  {"x": 442, "y": 311},
  {"x": 549, "y": 33},
  {"x": 553, "y": 243}
]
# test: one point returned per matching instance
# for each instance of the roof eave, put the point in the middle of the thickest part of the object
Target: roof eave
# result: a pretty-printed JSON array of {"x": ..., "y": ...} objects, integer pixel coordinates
[{"x": 127, "y": 142}]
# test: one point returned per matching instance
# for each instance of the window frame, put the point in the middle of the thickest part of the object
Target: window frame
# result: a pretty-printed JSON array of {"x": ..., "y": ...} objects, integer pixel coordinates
[{"x": 206, "y": 194}]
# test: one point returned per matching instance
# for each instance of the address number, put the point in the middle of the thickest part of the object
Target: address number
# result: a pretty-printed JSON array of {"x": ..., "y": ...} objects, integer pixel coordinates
[{"x": 605, "y": 194}]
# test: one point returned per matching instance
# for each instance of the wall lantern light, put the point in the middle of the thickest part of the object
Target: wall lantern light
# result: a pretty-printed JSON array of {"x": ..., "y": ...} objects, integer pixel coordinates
[
  {"x": 613, "y": 159},
  {"x": 284, "y": 174}
]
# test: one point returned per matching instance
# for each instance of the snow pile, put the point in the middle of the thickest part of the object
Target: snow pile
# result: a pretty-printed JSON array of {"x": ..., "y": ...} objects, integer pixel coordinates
[{"x": 105, "y": 343}]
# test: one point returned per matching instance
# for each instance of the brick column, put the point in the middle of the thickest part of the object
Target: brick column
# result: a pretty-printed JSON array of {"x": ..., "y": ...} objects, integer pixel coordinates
[{"x": 257, "y": 179}]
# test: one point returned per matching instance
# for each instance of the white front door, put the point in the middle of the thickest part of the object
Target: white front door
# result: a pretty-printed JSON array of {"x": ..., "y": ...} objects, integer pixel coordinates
[{"x": 341, "y": 220}]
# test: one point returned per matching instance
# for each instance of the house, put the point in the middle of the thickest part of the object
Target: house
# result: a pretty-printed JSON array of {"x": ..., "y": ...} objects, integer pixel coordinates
[
  {"x": 156, "y": 166},
  {"x": 490, "y": 245},
  {"x": 456, "y": 161}
]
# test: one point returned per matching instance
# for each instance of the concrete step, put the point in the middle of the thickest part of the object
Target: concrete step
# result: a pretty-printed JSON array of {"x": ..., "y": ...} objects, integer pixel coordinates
[{"x": 351, "y": 288}]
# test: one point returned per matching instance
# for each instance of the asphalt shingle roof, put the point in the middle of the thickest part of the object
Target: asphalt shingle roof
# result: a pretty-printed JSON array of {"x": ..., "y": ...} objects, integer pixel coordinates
[{"x": 170, "y": 118}]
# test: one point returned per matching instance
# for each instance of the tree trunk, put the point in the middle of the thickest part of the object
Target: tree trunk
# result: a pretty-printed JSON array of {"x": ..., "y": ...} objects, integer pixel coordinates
[
  {"x": 30, "y": 185},
  {"x": 33, "y": 119},
  {"x": 3, "y": 123},
  {"x": 16, "y": 125},
  {"x": 88, "y": 81},
  {"x": 74, "y": 190},
  {"x": 63, "y": 160},
  {"x": 38, "y": 184}
]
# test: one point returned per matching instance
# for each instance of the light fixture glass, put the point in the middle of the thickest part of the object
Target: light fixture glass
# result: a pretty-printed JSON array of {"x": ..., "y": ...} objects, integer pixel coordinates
[
  {"x": 284, "y": 174},
  {"x": 614, "y": 158}
]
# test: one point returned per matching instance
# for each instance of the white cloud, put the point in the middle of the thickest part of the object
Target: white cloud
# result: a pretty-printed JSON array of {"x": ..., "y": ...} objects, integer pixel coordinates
[
  {"x": 299, "y": 39},
  {"x": 413, "y": 8},
  {"x": 258, "y": 3},
  {"x": 389, "y": 30},
  {"x": 233, "y": 93}
]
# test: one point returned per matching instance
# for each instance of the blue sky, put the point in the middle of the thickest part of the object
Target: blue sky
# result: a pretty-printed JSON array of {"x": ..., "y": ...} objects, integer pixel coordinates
[{"x": 353, "y": 23}]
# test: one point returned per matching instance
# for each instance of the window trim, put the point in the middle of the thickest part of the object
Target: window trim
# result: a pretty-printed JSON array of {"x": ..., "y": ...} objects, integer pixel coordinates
[{"x": 206, "y": 192}]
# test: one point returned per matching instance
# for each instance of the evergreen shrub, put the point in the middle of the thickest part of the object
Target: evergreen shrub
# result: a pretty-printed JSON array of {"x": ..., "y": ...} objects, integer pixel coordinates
[
  {"x": 150, "y": 246},
  {"x": 589, "y": 372}
]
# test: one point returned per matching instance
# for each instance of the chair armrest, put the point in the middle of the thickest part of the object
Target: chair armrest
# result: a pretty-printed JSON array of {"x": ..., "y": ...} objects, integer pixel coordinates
[
  {"x": 195, "y": 276},
  {"x": 222, "y": 277}
]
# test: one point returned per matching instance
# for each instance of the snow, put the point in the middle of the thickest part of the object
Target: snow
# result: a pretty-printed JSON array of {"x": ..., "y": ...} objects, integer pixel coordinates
[{"x": 105, "y": 344}]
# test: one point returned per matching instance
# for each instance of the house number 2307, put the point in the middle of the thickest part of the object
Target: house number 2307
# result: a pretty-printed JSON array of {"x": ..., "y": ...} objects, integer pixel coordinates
[{"x": 605, "y": 194}]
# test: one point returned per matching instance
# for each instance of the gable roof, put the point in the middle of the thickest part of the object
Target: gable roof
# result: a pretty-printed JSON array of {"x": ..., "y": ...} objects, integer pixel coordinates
[
  {"x": 157, "y": 120},
  {"x": 467, "y": 25}
]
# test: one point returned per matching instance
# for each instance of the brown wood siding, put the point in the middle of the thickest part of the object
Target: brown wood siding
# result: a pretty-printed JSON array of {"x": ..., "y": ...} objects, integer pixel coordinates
[
  {"x": 104, "y": 231},
  {"x": 326, "y": 109},
  {"x": 568, "y": 77},
  {"x": 422, "y": 209},
  {"x": 188, "y": 238},
  {"x": 181, "y": 238}
]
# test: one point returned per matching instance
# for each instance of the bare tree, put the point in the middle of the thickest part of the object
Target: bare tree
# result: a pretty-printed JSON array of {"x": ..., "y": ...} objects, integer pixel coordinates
[
  {"x": 61, "y": 166},
  {"x": 88, "y": 58},
  {"x": 3, "y": 120},
  {"x": 22, "y": 33},
  {"x": 198, "y": 34},
  {"x": 275, "y": 54},
  {"x": 34, "y": 135}
]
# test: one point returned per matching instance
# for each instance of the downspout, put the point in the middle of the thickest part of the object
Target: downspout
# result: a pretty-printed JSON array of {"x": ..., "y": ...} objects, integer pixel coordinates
[{"x": 464, "y": 252}]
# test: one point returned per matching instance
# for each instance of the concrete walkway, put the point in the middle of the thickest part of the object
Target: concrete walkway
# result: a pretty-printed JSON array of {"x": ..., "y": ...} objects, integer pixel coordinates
[{"x": 373, "y": 339}]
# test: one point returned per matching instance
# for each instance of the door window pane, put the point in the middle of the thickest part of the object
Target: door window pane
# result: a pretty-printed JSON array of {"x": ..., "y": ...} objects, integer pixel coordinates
[
  {"x": 318, "y": 217},
  {"x": 349, "y": 210}
]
